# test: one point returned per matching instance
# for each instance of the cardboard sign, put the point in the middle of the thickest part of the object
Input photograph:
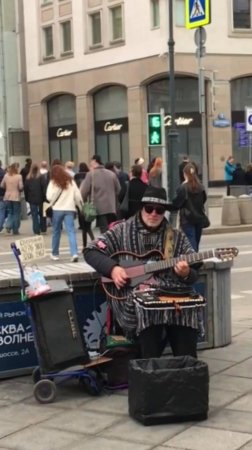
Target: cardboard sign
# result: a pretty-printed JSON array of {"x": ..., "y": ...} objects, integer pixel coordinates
[{"x": 31, "y": 248}]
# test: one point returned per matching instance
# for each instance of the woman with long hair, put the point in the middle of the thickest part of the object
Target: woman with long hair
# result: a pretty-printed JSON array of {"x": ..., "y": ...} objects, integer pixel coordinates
[
  {"x": 64, "y": 196},
  {"x": 34, "y": 190},
  {"x": 13, "y": 184},
  {"x": 190, "y": 199},
  {"x": 155, "y": 173},
  {"x": 84, "y": 226}
]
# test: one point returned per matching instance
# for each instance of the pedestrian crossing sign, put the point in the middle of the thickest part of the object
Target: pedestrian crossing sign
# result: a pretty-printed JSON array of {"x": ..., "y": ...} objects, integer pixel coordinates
[{"x": 197, "y": 12}]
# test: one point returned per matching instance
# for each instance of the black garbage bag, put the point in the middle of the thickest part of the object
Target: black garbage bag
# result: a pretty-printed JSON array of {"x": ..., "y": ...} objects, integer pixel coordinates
[{"x": 167, "y": 390}]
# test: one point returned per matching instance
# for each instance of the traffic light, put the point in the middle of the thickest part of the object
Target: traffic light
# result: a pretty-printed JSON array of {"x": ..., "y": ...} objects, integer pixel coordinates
[{"x": 154, "y": 129}]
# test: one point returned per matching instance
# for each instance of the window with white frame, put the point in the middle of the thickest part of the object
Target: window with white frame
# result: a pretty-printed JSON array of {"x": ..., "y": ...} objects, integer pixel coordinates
[
  {"x": 180, "y": 13},
  {"x": 242, "y": 14},
  {"x": 116, "y": 23},
  {"x": 66, "y": 36},
  {"x": 95, "y": 28},
  {"x": 155, "y": 14},
  {"x": 48, "y": 41}
]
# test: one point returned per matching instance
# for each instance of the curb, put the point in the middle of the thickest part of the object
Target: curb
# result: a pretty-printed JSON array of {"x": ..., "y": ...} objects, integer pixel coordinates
[{"x": 227, "y": 229}]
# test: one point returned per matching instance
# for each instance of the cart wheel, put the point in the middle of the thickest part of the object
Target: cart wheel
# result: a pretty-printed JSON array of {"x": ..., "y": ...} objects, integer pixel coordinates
[
  {"x": 36, "y": 375},
  {"x": 45, "y": 391},
  {"x": 91, "y": 384}
]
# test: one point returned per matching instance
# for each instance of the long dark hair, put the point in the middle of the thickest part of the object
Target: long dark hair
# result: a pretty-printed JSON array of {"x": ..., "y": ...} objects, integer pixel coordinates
[
  {"x": 192, "y": 176},
  {"x": 34, "y": 171}
]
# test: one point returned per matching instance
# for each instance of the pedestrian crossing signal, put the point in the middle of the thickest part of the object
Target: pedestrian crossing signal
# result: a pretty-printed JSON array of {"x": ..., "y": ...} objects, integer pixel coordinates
[
  {"x": 197, "y": 13},
  {"x": 154, "y": 129}
]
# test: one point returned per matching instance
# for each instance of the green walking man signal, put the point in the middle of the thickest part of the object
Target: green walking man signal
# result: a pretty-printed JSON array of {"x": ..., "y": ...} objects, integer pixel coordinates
[{"x": 154, "y": 129}]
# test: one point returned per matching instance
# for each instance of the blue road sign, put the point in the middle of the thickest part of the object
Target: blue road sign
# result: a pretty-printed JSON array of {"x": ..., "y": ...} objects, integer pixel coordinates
[{"x": 197, "y": 13}]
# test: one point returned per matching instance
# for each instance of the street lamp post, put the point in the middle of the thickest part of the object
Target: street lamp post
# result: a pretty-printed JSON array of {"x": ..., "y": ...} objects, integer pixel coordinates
[{"x": 173, "y": 133}]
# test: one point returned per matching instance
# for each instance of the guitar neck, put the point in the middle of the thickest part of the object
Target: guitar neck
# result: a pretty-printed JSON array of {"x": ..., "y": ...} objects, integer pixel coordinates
[{"x": 171, "y": 262}]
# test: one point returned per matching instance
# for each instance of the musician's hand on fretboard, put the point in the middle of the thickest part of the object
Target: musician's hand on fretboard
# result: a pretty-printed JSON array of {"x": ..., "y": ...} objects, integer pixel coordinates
[{"x": 182, "y": 269}]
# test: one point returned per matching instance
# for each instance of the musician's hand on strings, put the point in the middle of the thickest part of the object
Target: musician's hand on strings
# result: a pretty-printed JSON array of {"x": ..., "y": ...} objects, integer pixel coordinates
[
  {"x": 119, "y": 276},
  {"x": 182, "y": 269}
]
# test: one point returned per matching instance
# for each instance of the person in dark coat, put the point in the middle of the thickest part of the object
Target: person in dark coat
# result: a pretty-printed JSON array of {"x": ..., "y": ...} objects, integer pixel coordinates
[
  {"x": 123, "y": 177},
  {"x": 239, "y": 176},
  {"x": 84, "y": 226},
  {"x": 248, "y": 175},
  {"x": 34, "y": 190},
  {"x": 136, "y": 190},
  {"x": 26, "y": 169},
  {"x": 190, "y": 199}
]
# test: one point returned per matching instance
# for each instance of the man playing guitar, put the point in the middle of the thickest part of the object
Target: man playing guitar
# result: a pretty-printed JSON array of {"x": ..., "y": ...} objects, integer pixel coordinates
[{"x": 149, "y": 235}]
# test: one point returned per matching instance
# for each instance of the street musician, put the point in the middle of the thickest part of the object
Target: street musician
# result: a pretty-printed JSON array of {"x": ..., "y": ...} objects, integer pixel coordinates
[{"x": 144, "y": 243}]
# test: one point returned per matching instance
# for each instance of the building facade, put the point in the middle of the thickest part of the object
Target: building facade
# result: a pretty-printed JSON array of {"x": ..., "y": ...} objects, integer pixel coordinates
[
  {"x": 95, "y": 68},
  {"x": 14, "y": 136}
]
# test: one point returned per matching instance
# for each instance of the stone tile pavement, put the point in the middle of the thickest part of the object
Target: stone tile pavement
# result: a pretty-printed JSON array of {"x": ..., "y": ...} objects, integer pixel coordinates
[{"x": 78, "y": 421}]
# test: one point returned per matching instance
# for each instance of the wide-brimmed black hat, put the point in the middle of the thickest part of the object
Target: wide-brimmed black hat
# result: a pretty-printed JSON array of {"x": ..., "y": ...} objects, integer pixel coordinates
[{"x": 155, "y": 195}]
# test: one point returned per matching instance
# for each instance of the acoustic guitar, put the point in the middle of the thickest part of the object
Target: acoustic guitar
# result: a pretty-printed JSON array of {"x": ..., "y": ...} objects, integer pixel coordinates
[{"x": 141, "y": 268}]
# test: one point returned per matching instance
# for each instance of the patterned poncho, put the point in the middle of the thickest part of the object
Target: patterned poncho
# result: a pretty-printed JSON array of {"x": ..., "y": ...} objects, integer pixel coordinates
[{"x": 133, "y": 236}]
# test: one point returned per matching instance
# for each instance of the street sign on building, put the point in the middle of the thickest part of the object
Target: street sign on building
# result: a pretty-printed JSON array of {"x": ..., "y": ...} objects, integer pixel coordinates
[
  {"x": 248, "y": 118},
  {"x": 198, "y": 13}
]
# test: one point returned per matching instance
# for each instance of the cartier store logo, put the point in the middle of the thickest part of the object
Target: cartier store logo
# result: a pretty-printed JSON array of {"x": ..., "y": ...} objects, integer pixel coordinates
[
  {"x": 63, "y": 132},
  {"x": 179, "y": 121},
  {"x": 108, "y": 127}
]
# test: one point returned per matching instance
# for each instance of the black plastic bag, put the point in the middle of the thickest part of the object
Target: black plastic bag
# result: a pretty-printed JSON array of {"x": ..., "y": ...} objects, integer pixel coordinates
[{"x": 166, "y": 390}]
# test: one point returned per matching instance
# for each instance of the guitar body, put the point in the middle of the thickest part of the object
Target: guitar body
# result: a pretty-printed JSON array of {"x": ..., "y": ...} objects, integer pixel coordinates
[
  {"x": 135, "y": 268},
  {"x": 141, "y": 268}
]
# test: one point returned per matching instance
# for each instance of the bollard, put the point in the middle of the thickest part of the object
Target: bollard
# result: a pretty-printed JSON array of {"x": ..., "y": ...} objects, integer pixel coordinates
[
  {"x": 230, "y": 211},
  {"x": 245, "y": 208}
]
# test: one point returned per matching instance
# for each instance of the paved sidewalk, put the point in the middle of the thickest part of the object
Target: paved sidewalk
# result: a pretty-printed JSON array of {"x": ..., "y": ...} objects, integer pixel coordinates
[{"x": 78, "y": 421}]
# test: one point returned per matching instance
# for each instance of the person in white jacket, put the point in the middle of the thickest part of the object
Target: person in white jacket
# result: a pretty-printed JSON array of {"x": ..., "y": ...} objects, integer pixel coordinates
[{"x": 64, "y": 196}]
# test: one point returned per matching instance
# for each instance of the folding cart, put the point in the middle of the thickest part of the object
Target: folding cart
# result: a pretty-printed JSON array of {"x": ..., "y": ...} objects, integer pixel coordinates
[{"x": 60, "y": 347}]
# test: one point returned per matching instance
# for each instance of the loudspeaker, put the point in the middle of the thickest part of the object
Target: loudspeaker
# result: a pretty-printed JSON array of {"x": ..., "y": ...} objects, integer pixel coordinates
[{"x": 58, "y": 340}]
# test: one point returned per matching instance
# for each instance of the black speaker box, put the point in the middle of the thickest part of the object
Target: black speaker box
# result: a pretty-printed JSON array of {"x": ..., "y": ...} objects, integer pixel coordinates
[{"x": 58, "y": 340}]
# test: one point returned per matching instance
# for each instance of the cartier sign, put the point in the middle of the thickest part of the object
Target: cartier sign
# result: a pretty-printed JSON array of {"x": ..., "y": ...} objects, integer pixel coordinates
[
  {"x": 61, "y": 132},
  {"x": 108, "y": 127},
  {"x": 178, "y": 120}
]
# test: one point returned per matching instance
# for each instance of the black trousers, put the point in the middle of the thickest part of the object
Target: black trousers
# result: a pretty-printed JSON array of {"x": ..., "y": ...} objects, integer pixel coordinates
[{"x": 183, "y": 340}]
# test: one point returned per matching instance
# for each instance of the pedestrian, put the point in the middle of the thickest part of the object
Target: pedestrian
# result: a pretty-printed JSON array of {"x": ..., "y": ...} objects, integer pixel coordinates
[
  {"x": 69, "y": 166},
  {"x": 144, "y": 176},
  {"x": 64, "y": 196},
  {"x": 228, "y": 172},
  {"x": 106, "y": 187},
  {"x": 26, "y": 169},
  {"x": 43, "y": 168},
  {"x": 239, "y": 175},
  {"x": 83, "y": 224},
  {"x": 184, "y": 162},
  {"x": 13, "y": 184},
  {"x": 190, "y": 200},
  {"x": 34, "y": 190},
  {"x": 148, "y": 230},
  {"x": 155, "y": 174},
  {"x": 136, "y": 189},
  {"x": 248, "y": 175}
]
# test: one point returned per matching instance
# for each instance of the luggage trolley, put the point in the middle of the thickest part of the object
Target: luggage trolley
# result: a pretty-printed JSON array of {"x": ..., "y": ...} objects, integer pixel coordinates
[{"x": 59, "y": 345}]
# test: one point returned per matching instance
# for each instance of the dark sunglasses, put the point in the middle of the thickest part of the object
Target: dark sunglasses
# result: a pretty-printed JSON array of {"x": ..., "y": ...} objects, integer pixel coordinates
[{"x": 159, "y": 209}]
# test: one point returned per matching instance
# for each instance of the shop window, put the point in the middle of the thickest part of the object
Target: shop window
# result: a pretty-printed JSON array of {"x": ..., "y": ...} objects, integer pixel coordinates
[
  {"x": 95, "y": 28},
  {"x": 180, "y": 13},
  {"x": 48, "y": 41},
  {"x": 46, "y": 2},
  {"x": 242, "y": 14},
  {"x": 116, "y": 23},
  {"x": 155, "y": 14},
  {"x": 66, "y": 37}
]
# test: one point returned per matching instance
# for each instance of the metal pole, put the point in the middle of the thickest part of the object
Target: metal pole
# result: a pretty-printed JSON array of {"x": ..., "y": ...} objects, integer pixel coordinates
[
  {"x": 172, "y": 134},
  {"x": 202, "y": 110},
  {"x": 164, "y": 155}
]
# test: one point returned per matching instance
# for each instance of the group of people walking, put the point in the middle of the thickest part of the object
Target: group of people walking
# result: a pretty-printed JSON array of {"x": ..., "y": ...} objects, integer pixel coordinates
[{"x": 236, "y": 175}]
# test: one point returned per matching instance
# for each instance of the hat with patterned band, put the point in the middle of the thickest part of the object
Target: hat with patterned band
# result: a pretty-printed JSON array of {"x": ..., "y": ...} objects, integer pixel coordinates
[{"x": 155, "y": 195}]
